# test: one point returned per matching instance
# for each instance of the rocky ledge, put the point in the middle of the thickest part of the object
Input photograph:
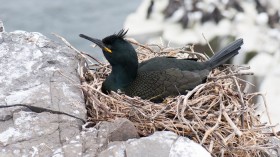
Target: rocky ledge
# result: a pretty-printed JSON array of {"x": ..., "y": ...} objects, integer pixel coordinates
[{"x": 39, "y": 72}]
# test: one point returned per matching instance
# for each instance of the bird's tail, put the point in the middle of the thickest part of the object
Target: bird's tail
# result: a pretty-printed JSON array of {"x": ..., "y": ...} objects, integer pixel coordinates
[{"x": 225, "y": 54}]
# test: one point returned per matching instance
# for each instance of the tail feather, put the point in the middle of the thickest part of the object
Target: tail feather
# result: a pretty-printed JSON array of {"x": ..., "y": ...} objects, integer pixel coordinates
[{"x": 225, "y": 54}]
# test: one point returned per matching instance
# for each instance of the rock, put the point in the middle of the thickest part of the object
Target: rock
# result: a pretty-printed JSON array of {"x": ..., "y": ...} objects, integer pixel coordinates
[
  {"x": 122, "y": 130},
  {"x": 260, "y": 70},
  {"x": 36, "y": 71},
  {"x": 272, "y": 93},
  {"x": 95, "y": 139},
  {"x": 274, "y": 152},
  {"x": 115, "y": 149},
  {"x": 269, "y": 75},
  {"x": 161, "y": 144},
  {"x": 119, "y": 130}
]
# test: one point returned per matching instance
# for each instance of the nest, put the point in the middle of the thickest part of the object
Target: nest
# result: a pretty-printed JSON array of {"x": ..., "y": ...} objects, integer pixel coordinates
[{"x": 217, "y": 114}]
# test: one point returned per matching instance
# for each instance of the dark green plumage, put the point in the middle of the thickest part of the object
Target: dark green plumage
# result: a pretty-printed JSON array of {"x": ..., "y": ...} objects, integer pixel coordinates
[{"x": 158, "y": 77}]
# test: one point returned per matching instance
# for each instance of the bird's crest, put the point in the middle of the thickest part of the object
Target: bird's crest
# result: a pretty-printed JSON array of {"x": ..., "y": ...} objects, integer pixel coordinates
[
  {"x": 121, "y": 33},
  {"x": 111, "y": 38}
]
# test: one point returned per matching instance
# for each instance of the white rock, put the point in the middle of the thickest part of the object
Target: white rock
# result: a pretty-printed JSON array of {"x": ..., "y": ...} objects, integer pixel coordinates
[
  {"x": 272, "y": 92},
  {"x": 270, "y": 86},
  {"x": 262, "y": 19},
  {"x": 263, "y": 68}
]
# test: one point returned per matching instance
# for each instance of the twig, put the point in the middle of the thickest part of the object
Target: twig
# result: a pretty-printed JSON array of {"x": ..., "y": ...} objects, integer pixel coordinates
[
  {"x": 69, "y": 45},
  {"x": 231, "y": 75},
  {"x": 92, "y": 58},
  {"x": 208, "y": 44},
  {"x": 231, "y": 123},
  {"x": 209, "y": 131},
  {"x": 37, "y": 109},
  {"x": 240, "y": 97},
  {"x": 267, "y": 113},
  {"x": 138, "y": 44}
]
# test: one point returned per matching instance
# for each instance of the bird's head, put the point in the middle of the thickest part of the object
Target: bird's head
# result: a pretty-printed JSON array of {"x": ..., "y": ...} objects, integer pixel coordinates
[{"x": 116, "y": 49}]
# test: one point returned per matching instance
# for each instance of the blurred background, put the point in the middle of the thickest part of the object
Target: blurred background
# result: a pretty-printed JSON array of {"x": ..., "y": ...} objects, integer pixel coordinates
[
  {"x": 97, "y": 18},
  {"x": 172, "y": 22}
]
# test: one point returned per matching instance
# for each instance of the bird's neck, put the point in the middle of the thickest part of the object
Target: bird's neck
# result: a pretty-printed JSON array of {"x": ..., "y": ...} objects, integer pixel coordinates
[
  {"x": 120, "y": 77},
  {"x": 125, "y": 73}
]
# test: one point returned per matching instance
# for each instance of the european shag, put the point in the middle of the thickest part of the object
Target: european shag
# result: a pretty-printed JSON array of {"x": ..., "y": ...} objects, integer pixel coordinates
[{"x": 158, "y": 77}]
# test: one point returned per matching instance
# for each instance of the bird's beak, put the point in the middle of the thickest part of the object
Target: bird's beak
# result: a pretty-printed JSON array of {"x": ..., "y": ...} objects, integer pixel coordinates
[{"x": 97, "y": 42}]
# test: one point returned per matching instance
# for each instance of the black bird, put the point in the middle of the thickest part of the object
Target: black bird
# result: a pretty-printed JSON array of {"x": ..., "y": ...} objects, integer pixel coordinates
[
  {"x": 185, "y": 20},
  {"x": 217, "y": 15},
  {"x": 260, "y": 8},
  {"x": 273, "y": 19},
  {"x": 158, "y": 77},
  {"x": 172, "y": 6},
  {"x": 150, "y": 9},
  {"x": 234, "y": 4}
]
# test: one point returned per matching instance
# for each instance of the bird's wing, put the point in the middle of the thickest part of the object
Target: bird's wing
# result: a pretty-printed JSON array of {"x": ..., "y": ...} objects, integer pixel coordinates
[
  {"x": 164, "y": 63},
  {"x": 156, "y": 85}
]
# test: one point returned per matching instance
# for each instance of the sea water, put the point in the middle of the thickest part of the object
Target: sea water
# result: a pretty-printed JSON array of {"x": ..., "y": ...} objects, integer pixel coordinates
[{"x": 68, "y": 18}]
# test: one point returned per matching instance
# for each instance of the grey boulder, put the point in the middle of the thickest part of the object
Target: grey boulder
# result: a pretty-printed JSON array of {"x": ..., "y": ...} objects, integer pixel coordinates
[{"x": 163, "y": 144}]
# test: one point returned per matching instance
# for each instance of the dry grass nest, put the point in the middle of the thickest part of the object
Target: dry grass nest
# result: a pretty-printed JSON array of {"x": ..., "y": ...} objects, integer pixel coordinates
[{"x": 217, "y": 114}]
